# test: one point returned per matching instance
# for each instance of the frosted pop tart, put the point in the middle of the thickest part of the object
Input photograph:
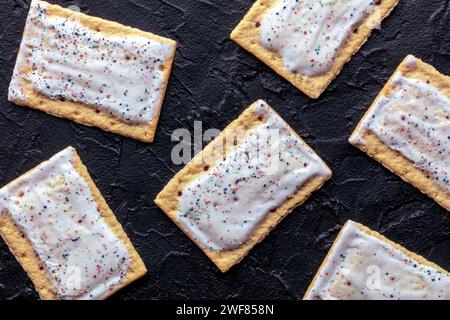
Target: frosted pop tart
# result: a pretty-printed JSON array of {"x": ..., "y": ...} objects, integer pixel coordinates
[
  {"x": 308, "y": 41},
  {"x": 364, "y": 265},
  {"x": 229, "y": 197},
  {"x": 62, "y": 232},
  {"x": 407, "y": 128},
  {"x": 92, "y": 71}
]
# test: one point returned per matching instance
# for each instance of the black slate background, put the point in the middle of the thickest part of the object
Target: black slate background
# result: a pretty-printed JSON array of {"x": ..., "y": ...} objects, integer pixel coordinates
[{"x": 214, "y": 80}]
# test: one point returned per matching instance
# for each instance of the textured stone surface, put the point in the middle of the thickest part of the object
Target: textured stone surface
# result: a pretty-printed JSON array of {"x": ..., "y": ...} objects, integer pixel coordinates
[{"x": 213, "y": 80}]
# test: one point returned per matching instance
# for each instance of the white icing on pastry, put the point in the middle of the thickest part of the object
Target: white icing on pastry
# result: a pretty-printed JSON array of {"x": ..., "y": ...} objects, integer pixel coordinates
[
  {"x": 309, "y": 34},
  {"x": 222, "y": 208},
  {"x": 363, "y": 267},
  {"x": 121, "y": 75},
  {"x": 54, "y": 208},
  {"x": 413, "y": 120},
  {"x": 411, "y": 61}
]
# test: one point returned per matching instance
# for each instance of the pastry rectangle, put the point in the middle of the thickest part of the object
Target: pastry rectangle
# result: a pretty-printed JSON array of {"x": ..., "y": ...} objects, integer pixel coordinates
[
  {"x": 308, "y": 41},
  {"x": 92, "y": 71},
  {"x": 364, "y": 265},
  {"x": 242, "y": 185},
  {"x": 407, "y": 128},
  {"x": 61, "y": 230}
]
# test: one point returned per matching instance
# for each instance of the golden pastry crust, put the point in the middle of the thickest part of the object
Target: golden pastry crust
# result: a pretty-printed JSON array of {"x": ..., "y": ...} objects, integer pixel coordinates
[
  {"x": 168, "y": 198},
  {"x": 88, "y": 115},
  {"x": 246, "y": 34},
  {"x": 375, "y": 234},
  {"x": 22, "y": 248},
  {"x": 393, "y": 160}
]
